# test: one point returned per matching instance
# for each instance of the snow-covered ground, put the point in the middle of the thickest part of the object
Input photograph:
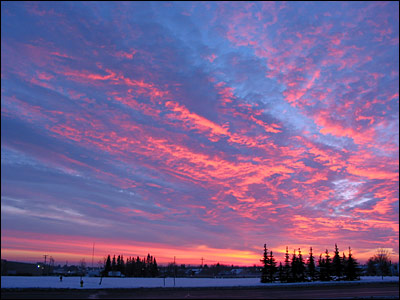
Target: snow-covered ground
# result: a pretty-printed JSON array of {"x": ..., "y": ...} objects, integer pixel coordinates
[{"x": 93, "y": 282}]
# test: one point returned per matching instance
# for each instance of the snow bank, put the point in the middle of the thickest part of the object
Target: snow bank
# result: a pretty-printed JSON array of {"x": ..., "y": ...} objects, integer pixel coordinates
[{"x": 93, "y": 282}]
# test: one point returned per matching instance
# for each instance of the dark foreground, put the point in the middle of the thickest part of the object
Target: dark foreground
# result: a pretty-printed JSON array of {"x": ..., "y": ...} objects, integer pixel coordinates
[{"x": 357, "y": 290}]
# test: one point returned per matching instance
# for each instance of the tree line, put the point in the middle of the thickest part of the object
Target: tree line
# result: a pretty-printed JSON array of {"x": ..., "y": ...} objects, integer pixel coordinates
[
  {"x": 146, "y": 267},
  {"x": 297, "y": 269}
]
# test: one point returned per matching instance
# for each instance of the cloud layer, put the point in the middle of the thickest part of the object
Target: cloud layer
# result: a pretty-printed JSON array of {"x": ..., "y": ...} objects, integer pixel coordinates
[{"x": 198, "y": 129}]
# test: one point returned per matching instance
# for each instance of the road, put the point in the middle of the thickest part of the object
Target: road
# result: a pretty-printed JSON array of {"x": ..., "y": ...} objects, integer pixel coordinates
[{"x": 359, "y": 291}]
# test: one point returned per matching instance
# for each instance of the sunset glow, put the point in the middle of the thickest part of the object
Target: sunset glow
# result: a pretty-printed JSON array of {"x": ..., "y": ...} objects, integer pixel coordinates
[{"x": 198, "y": 130}]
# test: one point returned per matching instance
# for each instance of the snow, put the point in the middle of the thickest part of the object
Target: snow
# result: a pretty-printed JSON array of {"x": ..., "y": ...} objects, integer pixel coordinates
[{"x": 108, "y": 282}]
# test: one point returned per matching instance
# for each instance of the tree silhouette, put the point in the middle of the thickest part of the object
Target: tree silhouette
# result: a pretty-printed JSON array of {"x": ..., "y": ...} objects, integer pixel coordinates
[
  {"x": 294, "y": 267},
  {"x": 264, "y": 260},
  {"x": 323, "y": 271},
  {"x": 271, "y": 268},
  {"x": 311, "y": 271},
  {"x": 286, "y": 268},
  {"x": 300, "y": 267},
  {"x": 147, "y": 267},
  {"x": 297, "y": 270},
  {"x": 372, "y": 267},
  {"x": 351, "y": 270},
  {"x": 107, "y": 267},
  {"x": 344, "y": 262},
  {"x": 113, "y": 264},
  {"x": 154, "y": 268},
  {"x": 281, "y": 274},
  {"x": 382, "y": 262},
  {"x": 121, "y": 265},
  {"x": 118, "y": 266},
  {"x": 328, "y": 265},
  {"x": 337, "y": 265}
]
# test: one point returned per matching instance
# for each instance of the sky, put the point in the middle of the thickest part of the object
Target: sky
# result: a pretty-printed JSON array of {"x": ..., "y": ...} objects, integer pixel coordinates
[{"x": 198, "y": 129}]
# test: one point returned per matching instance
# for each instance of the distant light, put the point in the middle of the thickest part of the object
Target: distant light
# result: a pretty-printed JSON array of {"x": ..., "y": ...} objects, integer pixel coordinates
[{"x": 38, "y": 266}]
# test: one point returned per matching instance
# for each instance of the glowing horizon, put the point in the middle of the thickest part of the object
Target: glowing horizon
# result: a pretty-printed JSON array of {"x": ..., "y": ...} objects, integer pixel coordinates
[
  {"x": 74, "y": 249},
  {"x": 199, "y": 129}
]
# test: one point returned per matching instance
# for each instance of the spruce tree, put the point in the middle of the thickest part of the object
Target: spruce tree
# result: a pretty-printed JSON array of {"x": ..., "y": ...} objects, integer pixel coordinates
[
  {"x": 118, "y": 267},
  {"x": 337, "y": 265},
  {"x": 322, "y": 269},
  {"x": 134, "y": 267},
  {"x": 128, "y": 267},
  {"x": 286, "y": 268},
  {"x": 113, "y": 264},
  {"x": 107, "y": 267},
  {"x": 264, "y": 260},
  {"x": 351, "y": 270},
  {"x": 154, "y": 272},
  {"x": 328, "y": 265},
  {"x": 300, "y": 267},
  {"x": 344, "y": 263},
  {"x": 122, "y": 265},
  {"x": 294, "y": 267},
  {"x": 271, "y": 268},
  {"x": 281, "y": 274},
  {"x": 311, "y": 271},
  {"x": 144, "y": 267},
  {"x": 139, "y": 267}
]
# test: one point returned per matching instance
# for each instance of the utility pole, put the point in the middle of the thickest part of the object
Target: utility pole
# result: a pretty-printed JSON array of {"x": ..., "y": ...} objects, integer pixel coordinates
[
  {"x": 202, "y": 259},
  {"x": 45, "y": 259}
]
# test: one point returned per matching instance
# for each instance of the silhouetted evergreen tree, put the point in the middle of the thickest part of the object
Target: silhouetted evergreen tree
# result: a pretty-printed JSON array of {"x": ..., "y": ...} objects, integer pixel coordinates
[
  {"x": 271, "y": 268},
  {"x": 328, "y": 265},
  {"x": 264, "y": 260},
  {"x": 217, "y": 268},
  {"x": 300, "y": 267},
  {"x": 344, "y": 262},
  {"x": 154, "y": 269},
  {"x": 311, "y": 270},
  {"x": 107, "y": 267},
  {"x": 281, "y": 274},
  {"x": 286, "y": 268},
  {"x": 122, "y": 265},
  {"x": 118, "y": 266},
  {"x": 294, "y": 267},
  {"x": 134, "y": 271},
  {"x": 322, "y": 270},
  {"x": 352, "y": 271},
  {"x": 139, "y": 267},
  {"x": 337, "y": 265},
  {"x": 128, "y": 267},
  {"x": 113, "y": 264}
]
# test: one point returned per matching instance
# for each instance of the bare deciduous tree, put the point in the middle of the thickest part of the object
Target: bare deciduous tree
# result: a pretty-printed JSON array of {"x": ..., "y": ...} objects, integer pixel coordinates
[{"x": 382, "y": 260}]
